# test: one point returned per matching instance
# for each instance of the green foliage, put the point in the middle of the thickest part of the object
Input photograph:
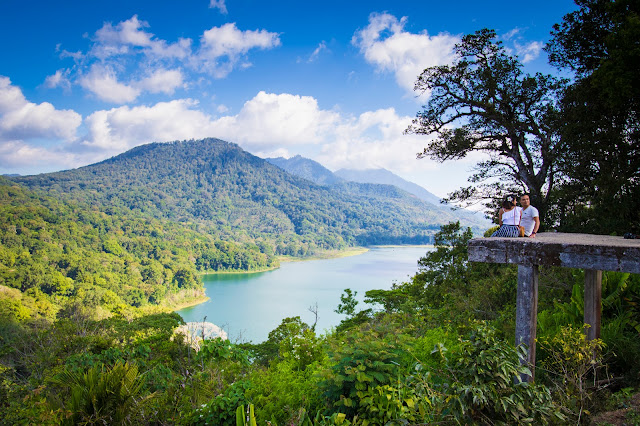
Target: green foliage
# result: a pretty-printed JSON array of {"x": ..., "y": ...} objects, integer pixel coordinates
[
  {"x": 245, "y": 417},
  {"x": 448, "y": 283},
  {"x": 221, "y": 349},
  {"x": 600, "y": 131},
  {"x": 107, "y": 395},
  {"x": 482, "y": 384},
  {"x": 292, "y": 339},
  {"x": 361, "y": 360},
  {"x": 348, "y": 303},
  {"x": 283, "y": 392},
  {"x": 573, "y": 365},
  {"x": 221, "y": 410},
  {"x": 67, "y": 251}
]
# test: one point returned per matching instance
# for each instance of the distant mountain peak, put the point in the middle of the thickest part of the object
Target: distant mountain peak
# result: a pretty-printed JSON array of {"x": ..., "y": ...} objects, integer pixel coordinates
[
  {"x": 384, "y": 176},
  {"x": 306, "y": 168}
]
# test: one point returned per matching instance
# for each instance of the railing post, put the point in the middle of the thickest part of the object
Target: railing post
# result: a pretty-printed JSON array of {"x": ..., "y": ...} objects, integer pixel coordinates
[
  {"x": 527, "y": 314},
  {"x": 592, "y": 302}
]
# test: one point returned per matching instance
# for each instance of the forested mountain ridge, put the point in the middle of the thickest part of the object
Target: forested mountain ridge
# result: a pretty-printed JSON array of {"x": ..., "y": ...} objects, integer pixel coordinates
[
  {"x": 240, "y": 197},
  {"x": 378, "y": 182}
]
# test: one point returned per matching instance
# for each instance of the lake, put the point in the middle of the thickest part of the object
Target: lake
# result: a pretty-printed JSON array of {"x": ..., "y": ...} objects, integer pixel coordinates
[{"x": 249, "y": 306}]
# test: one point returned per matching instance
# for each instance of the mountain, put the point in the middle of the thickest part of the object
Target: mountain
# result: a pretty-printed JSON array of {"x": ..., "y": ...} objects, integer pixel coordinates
[
  {"x": 376, "y": 182},
  {"x": 384, "y": 176},
  {"x": 215, "y": 186},
  {"x": 306, "y": 169}
]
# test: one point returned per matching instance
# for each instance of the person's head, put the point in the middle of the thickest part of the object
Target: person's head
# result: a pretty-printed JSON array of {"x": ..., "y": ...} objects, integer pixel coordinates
[
  {"x": 525, "y": 201},
  {"x": 509, "y": 202}
]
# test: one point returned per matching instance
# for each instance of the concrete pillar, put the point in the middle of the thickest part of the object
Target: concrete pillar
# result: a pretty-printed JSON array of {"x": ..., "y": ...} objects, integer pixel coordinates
[
  {"x": 592, "y": 302},
  {"x": 527, "y": 314}
]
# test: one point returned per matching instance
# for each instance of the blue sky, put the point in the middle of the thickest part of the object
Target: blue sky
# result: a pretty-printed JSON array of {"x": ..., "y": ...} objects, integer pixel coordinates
[{"x": 81, "y": 81}]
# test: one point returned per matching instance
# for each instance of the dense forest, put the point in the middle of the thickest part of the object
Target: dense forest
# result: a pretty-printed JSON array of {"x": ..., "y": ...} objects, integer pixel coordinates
[
  {"x": 91, "y": 258},
  {"x": 56, "y": 252}
]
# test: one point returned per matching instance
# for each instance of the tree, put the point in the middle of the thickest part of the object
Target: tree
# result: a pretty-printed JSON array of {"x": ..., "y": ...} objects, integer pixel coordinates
[
  {"x": 484, "y": 102},
  {"x": 601, "y": 159}
]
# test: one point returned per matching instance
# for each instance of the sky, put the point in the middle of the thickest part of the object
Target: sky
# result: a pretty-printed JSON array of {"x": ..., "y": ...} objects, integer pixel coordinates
[{"x": 82, "y": 81}]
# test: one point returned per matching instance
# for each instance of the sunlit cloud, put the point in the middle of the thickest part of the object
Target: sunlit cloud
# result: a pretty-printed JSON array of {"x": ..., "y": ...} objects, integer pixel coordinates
[
  {"x": 103, "y": 82},
  {"x": 126, "y": 60},
  {"x": 273, "y": 120},
  {"x": 223, "y": 48},
  {"x": 127, "y": 36},
  {"x": 389, "y": 48},
  {"x": 162, "y": 81},
  {"x": 119, "y": 129},
  {"x": 23, "y": 120}
]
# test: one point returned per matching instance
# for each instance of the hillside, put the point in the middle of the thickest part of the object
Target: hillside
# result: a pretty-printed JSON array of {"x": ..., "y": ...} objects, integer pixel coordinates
[
  {"x": 56, "y": 251},
  {"x": 377, "y": 182},
  {"x": 239, "y": 197}
]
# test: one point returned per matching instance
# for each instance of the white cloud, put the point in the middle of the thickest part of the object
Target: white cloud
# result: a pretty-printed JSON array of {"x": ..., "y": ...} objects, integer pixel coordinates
[
  {"x": 374, "y": 139},
  {"x": 129, "y": 35},
  {"x": 529, "y": 51},
  {"x": 526, "y": 51},
  {"x": 268, "y": 125},
  {"x": 103, "y": 82},
  {"x": 19, "y": 156},
  {"x": 389, "y": 48},
  {"x": 220, "y": 5},
  {"x": 59, "y": 79},
  {"x": 128, "y": 51},
  {"x": 272, "y": 120},
  {"x": 119, "y": 129},
  {"x": 314, "y": 56},
  {"x": 162, "y": 81},
  {"x": 21, "y": 119},
  {"x": 223, "y": 48}
]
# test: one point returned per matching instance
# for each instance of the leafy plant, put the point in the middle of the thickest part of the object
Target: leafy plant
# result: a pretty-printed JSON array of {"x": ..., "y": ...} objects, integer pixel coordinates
[
  {"x": 112, "y": 395},
  {"x": 574, "y": 366}
]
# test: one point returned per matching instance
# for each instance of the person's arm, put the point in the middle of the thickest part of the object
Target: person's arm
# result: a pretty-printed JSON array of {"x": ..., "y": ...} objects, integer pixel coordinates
[
  {"x": 536, "y": 226},
  {"x": 500, "y": 217}
]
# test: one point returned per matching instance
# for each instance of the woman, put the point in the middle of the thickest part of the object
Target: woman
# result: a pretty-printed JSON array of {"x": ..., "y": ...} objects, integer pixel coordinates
[{"x": 509, "y": 218}]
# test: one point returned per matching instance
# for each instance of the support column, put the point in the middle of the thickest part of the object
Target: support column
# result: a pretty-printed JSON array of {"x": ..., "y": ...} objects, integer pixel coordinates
[
  {"x": 592, "y": 302},
  {"x": 527, "y": 314}
]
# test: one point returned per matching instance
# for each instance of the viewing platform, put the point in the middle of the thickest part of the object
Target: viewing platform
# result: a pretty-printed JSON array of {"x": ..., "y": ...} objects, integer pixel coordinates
[{"x": 593, "y": 253}]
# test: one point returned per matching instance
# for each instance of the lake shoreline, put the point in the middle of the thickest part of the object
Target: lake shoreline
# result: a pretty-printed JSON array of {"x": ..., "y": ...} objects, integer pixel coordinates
[
  {"x": 331, "y": 254},
  {"x": 249, "y": 306},
  {"x": 189, "y": 303}
]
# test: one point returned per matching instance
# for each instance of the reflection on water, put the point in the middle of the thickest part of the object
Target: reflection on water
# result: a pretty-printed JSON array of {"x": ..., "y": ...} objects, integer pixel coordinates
[{"x": 249, "y": 306}]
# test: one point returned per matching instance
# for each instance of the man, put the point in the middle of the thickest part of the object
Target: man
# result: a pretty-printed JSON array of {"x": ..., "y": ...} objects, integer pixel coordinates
[{"x": 530, "y": 217}]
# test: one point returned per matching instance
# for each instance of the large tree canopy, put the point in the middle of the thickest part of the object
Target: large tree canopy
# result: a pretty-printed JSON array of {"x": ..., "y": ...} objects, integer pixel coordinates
[
  {"x": 600, "y": 161},
  {"x": 484, "y": 102}
]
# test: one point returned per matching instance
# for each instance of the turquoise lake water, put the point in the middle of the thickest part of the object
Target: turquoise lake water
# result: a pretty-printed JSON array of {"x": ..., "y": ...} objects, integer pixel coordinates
[{"x": 249, "y": 306}]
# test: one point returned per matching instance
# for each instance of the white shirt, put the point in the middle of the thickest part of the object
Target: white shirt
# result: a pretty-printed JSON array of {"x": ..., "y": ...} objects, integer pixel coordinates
[
  {"x": 511, "y": 217},
  {"x": 527, "y": 219}
]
